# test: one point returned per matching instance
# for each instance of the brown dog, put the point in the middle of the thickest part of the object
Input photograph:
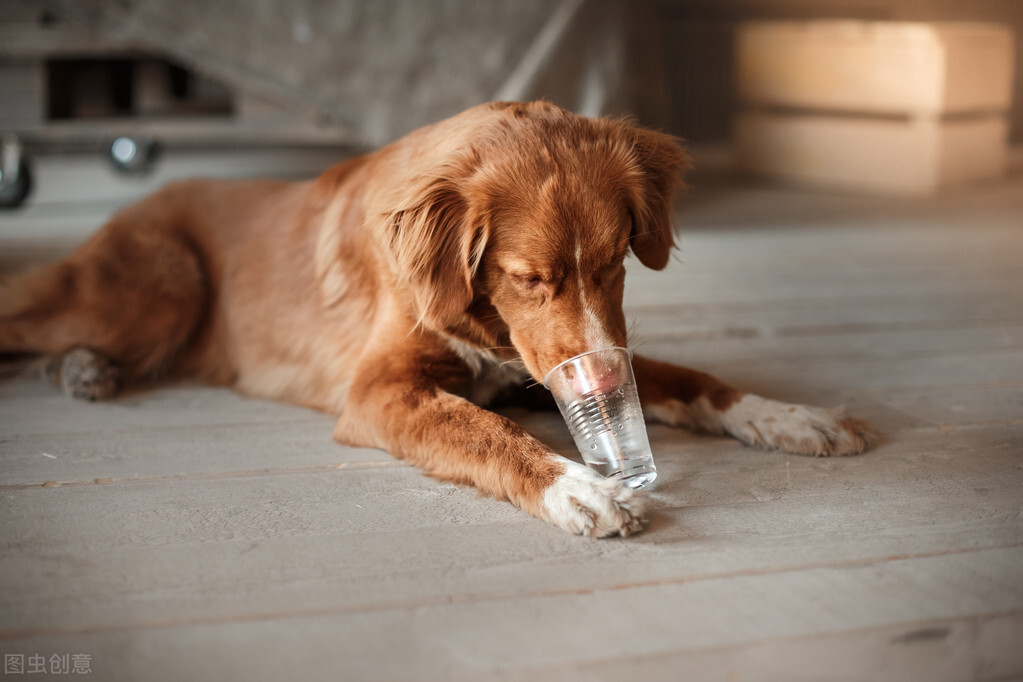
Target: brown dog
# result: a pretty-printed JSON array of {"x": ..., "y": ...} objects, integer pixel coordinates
[{"x": 403, "y": 289}]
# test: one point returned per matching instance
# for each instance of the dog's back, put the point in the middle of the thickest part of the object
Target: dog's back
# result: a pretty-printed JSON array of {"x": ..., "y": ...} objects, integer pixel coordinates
[{"x": 205, "y": 278}]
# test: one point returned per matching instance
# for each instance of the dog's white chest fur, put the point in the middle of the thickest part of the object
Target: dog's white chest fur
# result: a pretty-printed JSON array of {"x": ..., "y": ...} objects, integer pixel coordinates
[{"x": 490, "y": 374}]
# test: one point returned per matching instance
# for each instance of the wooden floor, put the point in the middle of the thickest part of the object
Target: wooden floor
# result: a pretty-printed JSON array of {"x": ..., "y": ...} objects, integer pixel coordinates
[{"x": 191, "y": 534}]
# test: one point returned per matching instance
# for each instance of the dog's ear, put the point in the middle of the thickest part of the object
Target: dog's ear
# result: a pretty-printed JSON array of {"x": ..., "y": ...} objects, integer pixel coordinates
[
  {"x": 437, "y": 245},
  {"x": 661, "y": 161}
]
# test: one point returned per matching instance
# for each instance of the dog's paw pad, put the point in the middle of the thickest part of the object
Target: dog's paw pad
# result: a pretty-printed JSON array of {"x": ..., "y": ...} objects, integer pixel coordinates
[
  {"x": 84, "y": 374},
  {"x": 797, "y": 428},
  {"x": 582, "y": 502}
]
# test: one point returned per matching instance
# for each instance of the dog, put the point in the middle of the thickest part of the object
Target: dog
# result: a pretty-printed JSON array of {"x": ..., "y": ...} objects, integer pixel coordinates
[{"x": 404, "y": 291}]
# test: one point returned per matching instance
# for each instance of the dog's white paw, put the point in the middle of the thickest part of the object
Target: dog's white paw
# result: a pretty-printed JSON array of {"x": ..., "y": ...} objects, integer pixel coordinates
[
  {"x": 583, "y": 502},
  {"x": 796, "y": 428}
]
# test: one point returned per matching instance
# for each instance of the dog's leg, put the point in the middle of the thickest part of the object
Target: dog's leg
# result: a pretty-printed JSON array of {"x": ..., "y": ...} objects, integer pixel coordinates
[
  {"x": 679, "y": 396},
  {"x": 120, "y": 308},
  {"x": 405, "y": 410}
]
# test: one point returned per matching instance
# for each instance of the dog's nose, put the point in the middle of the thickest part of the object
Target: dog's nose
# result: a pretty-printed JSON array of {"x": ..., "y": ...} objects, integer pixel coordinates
[{"x": 595, "y": 374}]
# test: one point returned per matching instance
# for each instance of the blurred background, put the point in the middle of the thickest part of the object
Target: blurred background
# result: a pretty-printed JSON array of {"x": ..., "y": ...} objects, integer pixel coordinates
[{"x": 304, "y": 80}]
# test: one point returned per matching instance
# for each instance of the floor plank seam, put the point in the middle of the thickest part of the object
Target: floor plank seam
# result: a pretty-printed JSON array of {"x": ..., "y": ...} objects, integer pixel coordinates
[
  {"x": 928, "y": 629},
  {"x": 254, "y": 473},
  {"x": 478, "y": 598},
  {"x": 173, "y": 428}
]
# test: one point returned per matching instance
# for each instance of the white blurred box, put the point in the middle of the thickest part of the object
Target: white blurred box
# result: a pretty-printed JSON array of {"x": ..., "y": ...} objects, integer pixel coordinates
[
  {"x": 884, "y": 107},
  {"x": 879, "y": 156}
]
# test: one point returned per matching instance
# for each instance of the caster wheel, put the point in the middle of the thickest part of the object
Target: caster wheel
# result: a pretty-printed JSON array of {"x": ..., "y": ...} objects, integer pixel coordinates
[
  {"x": 15, "y": 173},
  {"x": 134, "y": 155}
]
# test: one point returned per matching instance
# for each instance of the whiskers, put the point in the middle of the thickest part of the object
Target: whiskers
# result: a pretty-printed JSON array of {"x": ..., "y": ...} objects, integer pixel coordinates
[
  {"x": 630, "y": 334},
  {"x": 513, "y": 363}
]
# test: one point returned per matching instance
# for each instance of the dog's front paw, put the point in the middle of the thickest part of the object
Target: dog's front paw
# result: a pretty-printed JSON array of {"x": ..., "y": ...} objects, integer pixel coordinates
[
  {"x": 797, "y": 428},
  {"x": 582, "y": 502}
]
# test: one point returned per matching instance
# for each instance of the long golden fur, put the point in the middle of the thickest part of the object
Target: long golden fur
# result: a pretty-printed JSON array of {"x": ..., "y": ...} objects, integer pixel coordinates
[{"x": 463, "y": 259}]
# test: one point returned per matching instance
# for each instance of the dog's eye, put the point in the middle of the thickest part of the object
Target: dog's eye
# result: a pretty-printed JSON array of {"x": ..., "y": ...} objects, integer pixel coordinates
[{"x": 529, "y": 281}]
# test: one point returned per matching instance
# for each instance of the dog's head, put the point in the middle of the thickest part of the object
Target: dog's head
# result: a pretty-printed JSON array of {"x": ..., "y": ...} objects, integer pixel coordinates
[{"x": 517, "y": 219}]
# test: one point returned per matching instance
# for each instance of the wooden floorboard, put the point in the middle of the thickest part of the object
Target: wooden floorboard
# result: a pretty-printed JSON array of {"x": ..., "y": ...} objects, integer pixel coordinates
[{"x": 191, "y": 533}]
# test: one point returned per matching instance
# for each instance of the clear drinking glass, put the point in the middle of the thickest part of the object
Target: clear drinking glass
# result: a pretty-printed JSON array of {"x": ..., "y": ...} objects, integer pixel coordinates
[{"x": 596, "y": 393}]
